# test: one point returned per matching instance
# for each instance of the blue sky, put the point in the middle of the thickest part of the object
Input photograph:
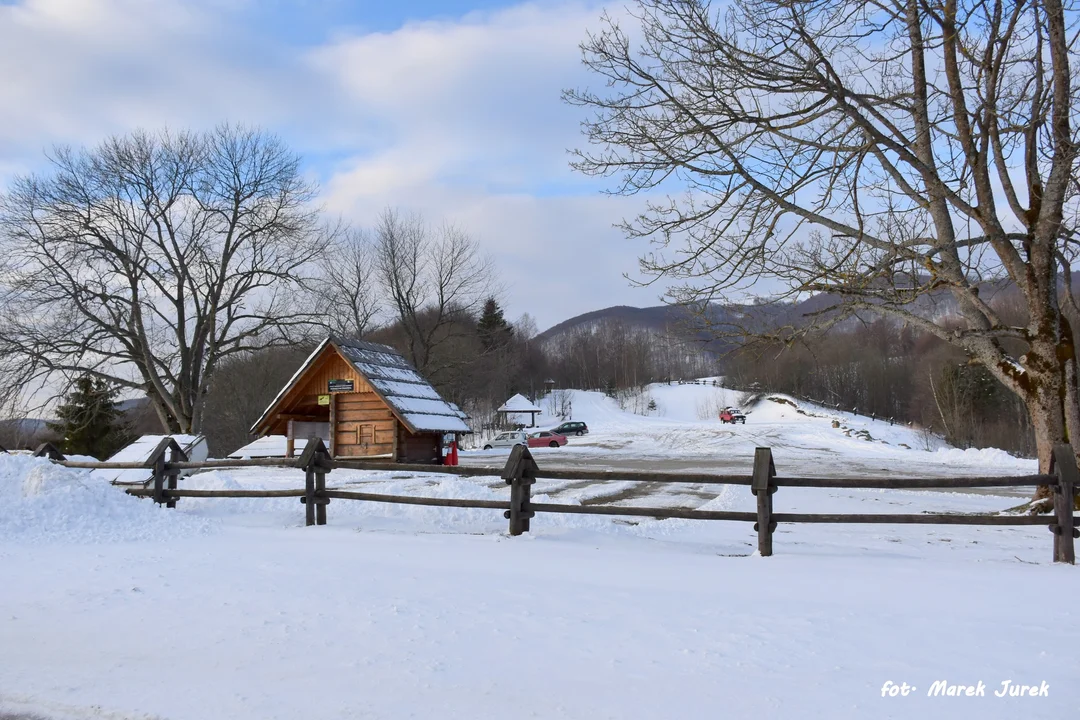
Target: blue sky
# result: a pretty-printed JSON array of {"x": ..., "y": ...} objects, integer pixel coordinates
[{"x": 450, "y": 109}]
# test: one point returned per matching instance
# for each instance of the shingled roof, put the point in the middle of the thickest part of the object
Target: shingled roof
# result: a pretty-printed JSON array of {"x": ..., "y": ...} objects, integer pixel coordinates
[{"x": 408, "y": 395}]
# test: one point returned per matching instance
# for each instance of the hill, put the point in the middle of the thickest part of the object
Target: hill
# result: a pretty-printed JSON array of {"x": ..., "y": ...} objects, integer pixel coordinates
[
  {"x": 678, "y": 425},
  {"x": 668, "y": 318}
]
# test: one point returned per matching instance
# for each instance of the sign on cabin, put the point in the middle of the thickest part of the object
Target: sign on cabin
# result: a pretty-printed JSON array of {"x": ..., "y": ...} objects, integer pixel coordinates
[
  {"x": 324, "y": 399},
  {"x": 341, "y": 386}
]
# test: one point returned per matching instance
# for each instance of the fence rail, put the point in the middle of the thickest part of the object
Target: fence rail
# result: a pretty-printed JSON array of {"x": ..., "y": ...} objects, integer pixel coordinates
[{"x": 521, "y": 472}]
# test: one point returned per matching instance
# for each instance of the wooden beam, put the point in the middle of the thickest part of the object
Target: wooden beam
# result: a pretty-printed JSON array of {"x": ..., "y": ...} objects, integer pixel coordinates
[
  {"x": 654, "y": 512},
  {"x": 763, "y": 487},
  {"x": 333, "y": 425}
]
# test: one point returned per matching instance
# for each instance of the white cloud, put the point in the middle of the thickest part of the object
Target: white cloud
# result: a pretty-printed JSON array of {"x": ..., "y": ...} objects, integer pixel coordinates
[
  {"x": 475, "y": 132},
  {"x": 458, "y": 119}
]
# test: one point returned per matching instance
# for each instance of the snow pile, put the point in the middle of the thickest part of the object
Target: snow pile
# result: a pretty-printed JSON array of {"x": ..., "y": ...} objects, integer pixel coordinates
[
  {"x": 990, "y": 457},
  {"x": 216, "y": 480},
  {"x": 43, "y": 502}
]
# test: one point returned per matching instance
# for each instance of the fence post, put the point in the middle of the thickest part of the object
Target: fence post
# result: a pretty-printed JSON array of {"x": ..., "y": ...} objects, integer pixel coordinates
[
  {"x": 763, "y": 487},
  {"x": 322, "y": 466},
  {"x": 158, "y": 470},
  {"x": 520, "y": 475},
  {"x": 1063, "y": 464},
  {"x": 309, "y": 497},
  {"x": 48, "y": 450},
  {"x": 176, "y": 454},
  {"x": 160, "y": 474},
  {"x": 315, "y": 461}
]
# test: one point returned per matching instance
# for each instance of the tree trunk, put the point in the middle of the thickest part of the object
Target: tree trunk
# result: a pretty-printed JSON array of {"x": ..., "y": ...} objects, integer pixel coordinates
[
  {"x": 169, "y": 424},
  {"x": 1051, "y": 405}
]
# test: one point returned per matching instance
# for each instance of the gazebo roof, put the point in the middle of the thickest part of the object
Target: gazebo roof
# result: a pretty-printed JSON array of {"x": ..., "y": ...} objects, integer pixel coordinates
[{"x": 519, "y": 404}]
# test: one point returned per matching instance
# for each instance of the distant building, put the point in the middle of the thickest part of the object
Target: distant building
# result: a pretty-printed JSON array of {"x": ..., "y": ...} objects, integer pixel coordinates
[
  {"x": 139, "y": 451},
  {"x": 363, "y": 400}
]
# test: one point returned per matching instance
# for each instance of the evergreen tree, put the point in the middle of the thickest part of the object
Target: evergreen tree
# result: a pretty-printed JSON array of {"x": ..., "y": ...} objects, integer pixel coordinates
[
  {"x": 495, "y": 332},
  {"x": 90, "y": 422}
]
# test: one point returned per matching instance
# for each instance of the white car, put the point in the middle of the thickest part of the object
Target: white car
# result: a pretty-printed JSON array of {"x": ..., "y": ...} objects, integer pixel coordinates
[{"x": 507, "y": 439}]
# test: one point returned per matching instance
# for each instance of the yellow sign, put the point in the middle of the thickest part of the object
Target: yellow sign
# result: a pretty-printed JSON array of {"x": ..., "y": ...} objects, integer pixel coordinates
[{"x": 324, "y": 399}]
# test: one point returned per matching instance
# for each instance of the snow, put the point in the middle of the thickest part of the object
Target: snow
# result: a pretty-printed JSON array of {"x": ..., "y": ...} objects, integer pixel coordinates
[
  {"x": 43, "y": 503},
  {"x": 421, "y": 405},
  {"x": 518, "y": 404},
  {"x": 402, "y": 389},
  {"x": 684, "y": 433},
  {"x": 393, "y": 374},
  {"x": 990, "y": 457},
  {"x": 396, "y": 611},
  {"x": 269, "y": 446},
  {"x": 437, "y": 423}
]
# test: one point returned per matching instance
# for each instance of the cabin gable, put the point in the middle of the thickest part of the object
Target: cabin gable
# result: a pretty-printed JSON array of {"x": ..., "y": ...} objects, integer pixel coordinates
[{"x": 343, "y": 395}]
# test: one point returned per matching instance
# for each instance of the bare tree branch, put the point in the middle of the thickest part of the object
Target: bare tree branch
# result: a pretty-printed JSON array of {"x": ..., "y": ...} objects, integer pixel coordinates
[{"x": 885, "y": 154}]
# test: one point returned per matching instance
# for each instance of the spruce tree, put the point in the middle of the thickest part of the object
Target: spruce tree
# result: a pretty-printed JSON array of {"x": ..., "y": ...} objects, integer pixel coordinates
[
  {"x": 89, "y": 420},
  {"x": 495, "y": 332}
]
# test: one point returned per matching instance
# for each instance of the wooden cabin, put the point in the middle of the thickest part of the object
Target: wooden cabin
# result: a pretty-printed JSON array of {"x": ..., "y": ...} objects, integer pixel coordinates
[{"x": 364, "y": 400}]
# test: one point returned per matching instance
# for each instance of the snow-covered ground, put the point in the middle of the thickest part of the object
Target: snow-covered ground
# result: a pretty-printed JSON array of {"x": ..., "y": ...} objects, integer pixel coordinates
[
  {"x": 684, "y": 433},
  {"x": 111, "y": 607}
]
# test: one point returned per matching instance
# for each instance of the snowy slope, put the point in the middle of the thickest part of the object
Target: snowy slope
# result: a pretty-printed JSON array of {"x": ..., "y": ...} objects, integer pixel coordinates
[{"x": 685, "y": 433}]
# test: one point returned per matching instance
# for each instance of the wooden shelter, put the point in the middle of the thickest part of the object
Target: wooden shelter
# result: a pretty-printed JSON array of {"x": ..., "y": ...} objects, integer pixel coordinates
[
  {"x": 519, "y": 405},
  {"x": 364, "y": 400}
]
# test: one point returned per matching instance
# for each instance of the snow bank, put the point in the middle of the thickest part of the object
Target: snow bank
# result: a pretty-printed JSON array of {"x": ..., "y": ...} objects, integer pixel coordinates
[
  {"x": 43, "y": 502},
  {"x": 990, "y": 457}
]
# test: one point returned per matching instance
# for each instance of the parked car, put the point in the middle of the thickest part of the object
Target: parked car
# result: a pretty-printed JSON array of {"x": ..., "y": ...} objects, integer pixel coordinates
[
  {"x": 731, "y": 415},
  {"x": 571, "y": 428},
  {"x": 546, "y": 438},
  {"x": 507, "y": 439}
]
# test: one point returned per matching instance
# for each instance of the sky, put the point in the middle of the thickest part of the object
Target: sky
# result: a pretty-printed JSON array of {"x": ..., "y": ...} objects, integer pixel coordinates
[{"x": 450, "y": 109}]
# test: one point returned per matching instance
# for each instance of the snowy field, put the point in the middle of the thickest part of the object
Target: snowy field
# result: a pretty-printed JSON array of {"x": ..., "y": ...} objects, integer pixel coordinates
[
  {"x": 684, "y": 434},
  {"x": 111, "y": 607}
]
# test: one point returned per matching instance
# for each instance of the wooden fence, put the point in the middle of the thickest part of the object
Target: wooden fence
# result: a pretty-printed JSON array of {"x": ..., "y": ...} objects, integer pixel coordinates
[{"x": 521, "y": 471}]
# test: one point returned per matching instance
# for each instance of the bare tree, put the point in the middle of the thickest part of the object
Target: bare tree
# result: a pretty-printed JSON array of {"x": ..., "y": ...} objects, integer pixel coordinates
[
  {"x": 878, "y": 152},
  {"x": 149, "y": 259},
  {"x": 436, "y": 282},
  {"x": 349, "y": 286},
  {"x": 525, "y": 327}
]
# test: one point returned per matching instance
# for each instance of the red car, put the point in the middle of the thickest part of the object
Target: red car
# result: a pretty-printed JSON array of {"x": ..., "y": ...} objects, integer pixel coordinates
[{"x": 546, "y": 438}]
